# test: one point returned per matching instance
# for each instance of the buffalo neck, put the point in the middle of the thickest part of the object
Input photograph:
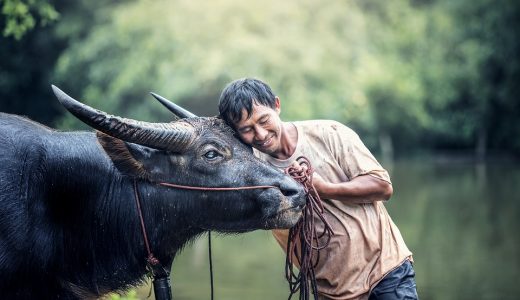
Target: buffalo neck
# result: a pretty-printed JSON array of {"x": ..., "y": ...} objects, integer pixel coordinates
[{"x": 96, "y": 207}]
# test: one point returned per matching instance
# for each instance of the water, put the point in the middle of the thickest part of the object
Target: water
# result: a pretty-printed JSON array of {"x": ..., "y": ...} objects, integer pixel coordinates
[
  {"x": 461, "y": 222},
  {"x": 459, "y": 219}
]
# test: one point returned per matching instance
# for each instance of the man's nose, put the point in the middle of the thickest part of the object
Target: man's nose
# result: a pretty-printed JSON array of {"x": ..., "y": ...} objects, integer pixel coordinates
[{"x": 260, "y": 133}]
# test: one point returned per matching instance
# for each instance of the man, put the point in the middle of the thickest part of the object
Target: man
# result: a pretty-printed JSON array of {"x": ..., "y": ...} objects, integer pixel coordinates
[{"x": 367, "y": 257}]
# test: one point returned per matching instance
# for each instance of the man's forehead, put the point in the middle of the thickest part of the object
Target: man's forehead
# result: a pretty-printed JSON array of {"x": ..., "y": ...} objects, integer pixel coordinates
[{"x": 257, "y": 111}]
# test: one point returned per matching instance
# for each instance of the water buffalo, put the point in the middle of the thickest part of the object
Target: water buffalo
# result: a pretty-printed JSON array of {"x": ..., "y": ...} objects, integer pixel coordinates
[{"x": 68, "y": 219}]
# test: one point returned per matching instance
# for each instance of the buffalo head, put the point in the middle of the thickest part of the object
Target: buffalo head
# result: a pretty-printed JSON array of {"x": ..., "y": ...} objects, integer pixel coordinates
[{"x": 198, "y": 152}]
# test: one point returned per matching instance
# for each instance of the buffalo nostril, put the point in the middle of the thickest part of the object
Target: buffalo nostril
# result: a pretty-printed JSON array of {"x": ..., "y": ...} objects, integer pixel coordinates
[
  {"x": 293, "y": 191},
  {"x": 296, "y": 195},
  {"x": 289, "y": 193}
]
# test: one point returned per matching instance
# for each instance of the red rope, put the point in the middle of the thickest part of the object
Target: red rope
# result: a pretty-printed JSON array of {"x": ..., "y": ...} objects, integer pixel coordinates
[
  {"x": 304, "y": 240},
  {"x": 151, "y": 258},
  {"x": 203, "y": 188}
]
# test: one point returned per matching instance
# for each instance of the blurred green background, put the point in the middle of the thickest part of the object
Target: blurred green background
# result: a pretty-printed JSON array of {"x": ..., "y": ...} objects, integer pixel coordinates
[{"x": 431, "y": 86}]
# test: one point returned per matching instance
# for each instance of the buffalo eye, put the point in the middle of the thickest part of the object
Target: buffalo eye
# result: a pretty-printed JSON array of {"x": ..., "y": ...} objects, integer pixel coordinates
[{"x": 212, "y": 155}]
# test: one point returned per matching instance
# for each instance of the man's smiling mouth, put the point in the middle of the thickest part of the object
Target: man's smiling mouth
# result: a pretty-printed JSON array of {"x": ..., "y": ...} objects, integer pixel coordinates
[{"x": 265, "y": 143}]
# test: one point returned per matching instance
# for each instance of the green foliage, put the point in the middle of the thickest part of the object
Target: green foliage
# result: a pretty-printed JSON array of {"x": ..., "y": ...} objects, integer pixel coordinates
[
  {"x": 471, "y": 90},
  {"x": 27, "y": 65},
  {"x": 188, "y": 54},
  {"x": 131, "y": 295},
  {"x": 20, "y": 16},
  {"x": 433, "y": 74}
]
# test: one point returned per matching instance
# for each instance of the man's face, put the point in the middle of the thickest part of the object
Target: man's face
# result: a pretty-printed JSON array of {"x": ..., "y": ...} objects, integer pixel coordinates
[{"x": 263, "y": 129}]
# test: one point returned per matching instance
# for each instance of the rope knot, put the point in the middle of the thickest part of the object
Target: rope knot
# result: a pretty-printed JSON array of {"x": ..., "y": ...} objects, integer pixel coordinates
[{"x": 152, "y": 260}]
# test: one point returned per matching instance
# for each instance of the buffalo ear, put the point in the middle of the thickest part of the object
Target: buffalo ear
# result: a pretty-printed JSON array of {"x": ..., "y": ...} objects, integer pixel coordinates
[{"x": 122, "y": 156}]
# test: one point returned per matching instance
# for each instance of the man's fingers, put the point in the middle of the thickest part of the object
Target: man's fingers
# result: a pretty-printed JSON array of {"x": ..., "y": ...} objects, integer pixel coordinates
[{"x": 298, "y": 167}]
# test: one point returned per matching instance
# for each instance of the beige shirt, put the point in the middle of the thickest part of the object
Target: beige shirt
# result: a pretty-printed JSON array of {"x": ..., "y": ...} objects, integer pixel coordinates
[{"x": 367, "y": 244}]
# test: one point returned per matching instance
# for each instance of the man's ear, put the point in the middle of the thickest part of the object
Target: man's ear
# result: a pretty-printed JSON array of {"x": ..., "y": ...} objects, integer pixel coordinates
[
  {"x": 125, "y": 158},
  {"x": 277, "y": 105}
]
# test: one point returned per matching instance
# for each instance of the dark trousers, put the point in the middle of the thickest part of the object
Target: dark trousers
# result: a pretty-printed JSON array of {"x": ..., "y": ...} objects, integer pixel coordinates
[{"x": 397, "y": 285}]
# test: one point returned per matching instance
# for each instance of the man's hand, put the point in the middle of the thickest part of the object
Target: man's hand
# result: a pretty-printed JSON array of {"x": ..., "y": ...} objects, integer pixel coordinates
[{"x": 317, "y": 181}]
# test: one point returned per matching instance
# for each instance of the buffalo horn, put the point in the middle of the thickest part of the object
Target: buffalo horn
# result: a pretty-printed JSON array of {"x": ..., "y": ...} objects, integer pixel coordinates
[
  {"x": 166, "y": 136},
  {"x": 174, "y": 108}
]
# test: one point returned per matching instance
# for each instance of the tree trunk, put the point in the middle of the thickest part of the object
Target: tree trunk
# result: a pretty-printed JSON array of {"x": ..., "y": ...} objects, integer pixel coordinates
[
  {"x": 481, "y": 146},
  {"x": 387, "y": 147}
]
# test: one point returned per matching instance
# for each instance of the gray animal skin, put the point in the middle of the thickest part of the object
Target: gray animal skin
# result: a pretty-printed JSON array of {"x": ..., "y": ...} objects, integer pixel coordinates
[{"x": 69, "y": 226}]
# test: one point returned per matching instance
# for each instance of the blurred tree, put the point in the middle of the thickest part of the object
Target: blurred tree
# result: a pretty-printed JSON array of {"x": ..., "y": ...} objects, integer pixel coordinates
[
  {"x": 444, "y": 74},
  {"x": 390, "y": 74},
  {"x": 187, "y": 54},
  {"x": 18, "y": 16},
  {"x": 472, "y": 86},
  {"x": 27, "y": 64},
  {"x": 25, "y": 70}
]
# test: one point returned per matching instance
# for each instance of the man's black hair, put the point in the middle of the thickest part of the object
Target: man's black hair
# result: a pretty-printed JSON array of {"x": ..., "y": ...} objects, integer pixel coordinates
[{"x": 241, "y": 94}]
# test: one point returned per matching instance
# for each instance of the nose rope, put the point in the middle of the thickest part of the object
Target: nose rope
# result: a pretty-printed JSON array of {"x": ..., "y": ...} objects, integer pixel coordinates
[
  {"x": 304, "y": 242},
  {"x": 205, "y": 188}
]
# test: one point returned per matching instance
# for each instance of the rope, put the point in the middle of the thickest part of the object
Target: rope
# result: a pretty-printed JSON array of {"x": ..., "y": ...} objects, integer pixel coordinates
[
  {"x": 160, "y": 276},
  {"x": 151, "y": 258},
  {"x": 210, "y": 265},
  {"x": 304, "y": 240},
  {"x": 204, "y": 188}
]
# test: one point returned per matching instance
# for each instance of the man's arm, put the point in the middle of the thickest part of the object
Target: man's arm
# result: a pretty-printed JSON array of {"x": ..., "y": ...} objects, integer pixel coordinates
[{"x": 361, "y": 189}]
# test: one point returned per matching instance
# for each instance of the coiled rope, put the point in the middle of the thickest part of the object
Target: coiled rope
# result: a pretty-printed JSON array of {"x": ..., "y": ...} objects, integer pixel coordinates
[{"x": 304, "y": 241}]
